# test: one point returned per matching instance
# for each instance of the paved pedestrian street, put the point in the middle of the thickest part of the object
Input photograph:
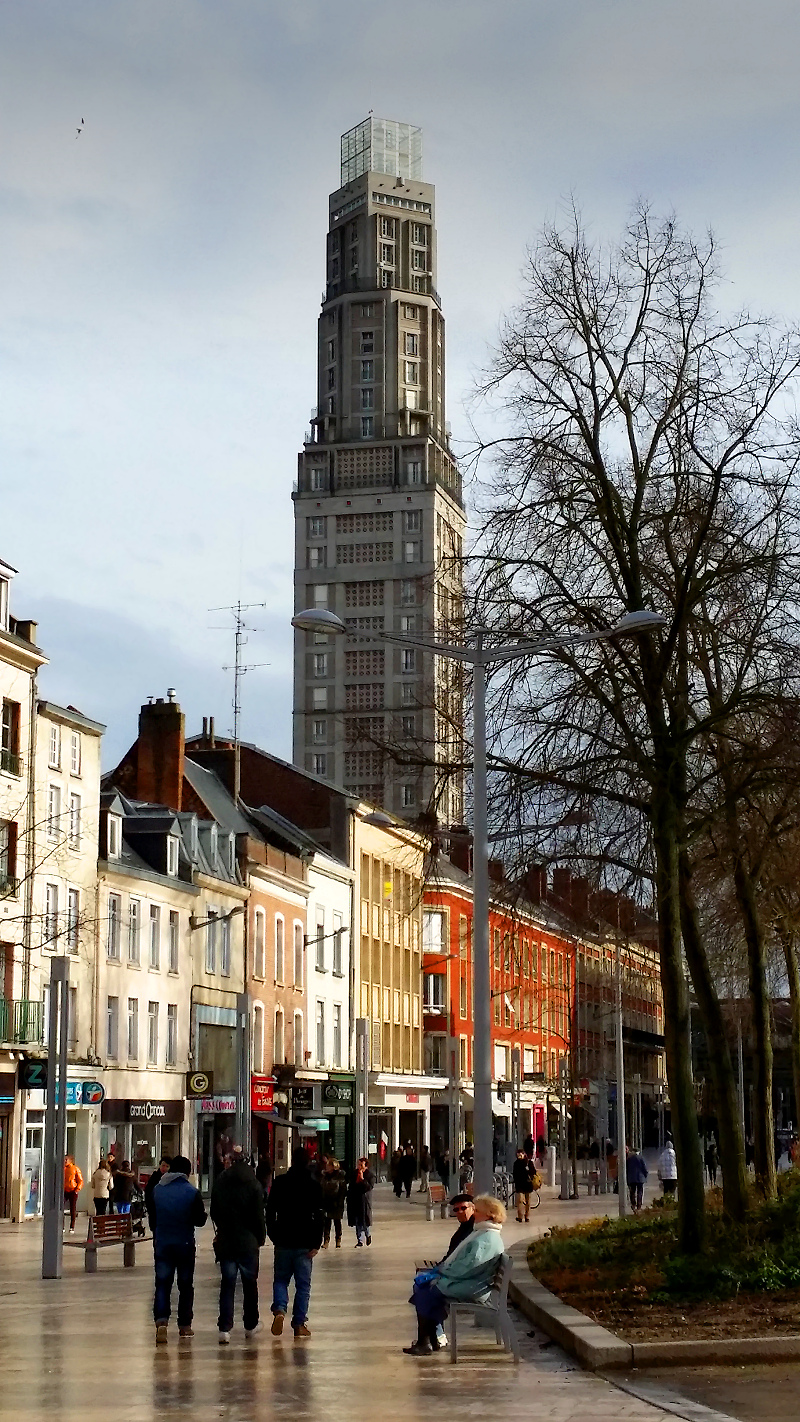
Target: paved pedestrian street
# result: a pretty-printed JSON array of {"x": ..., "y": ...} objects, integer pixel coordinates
[{"x": 83, "y": 1347}]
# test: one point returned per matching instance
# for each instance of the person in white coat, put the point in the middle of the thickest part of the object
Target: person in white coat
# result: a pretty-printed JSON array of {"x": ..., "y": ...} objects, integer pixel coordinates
[{"x": 668, "y": 1169}]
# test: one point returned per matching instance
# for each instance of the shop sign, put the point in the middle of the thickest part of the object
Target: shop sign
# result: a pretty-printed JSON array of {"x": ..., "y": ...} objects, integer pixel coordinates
[
  {"x": 338, "y": 1093},
  {"x": 8, "y": 1087},
  {"x": 302, "y": 1098},
  {"x": 412, "y": 1097},
  {"x": 83, "y": 1093},
  {"x": 199, "y": 1083},
  {"x": 33, "y": 1076},
  {"x": 217, "y": 1106},
  {"x": 261, "y": 1093},
  {"x": 158, "y": 1112}
]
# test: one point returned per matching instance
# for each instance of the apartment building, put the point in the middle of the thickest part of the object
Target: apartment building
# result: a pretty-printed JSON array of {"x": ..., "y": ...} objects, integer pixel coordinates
[{"x": 379, "y": 517}]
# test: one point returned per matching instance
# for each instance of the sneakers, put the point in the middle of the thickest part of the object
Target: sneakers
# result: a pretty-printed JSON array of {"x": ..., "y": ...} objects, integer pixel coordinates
[
  {"x": 277, "y": 1324},
  {"x": 251, "y": 1332},
  {"x": 161, "y": 1333},
  {"x": 223, "y": 1338},
  {"x": 72, "y": 1229},
  {"x": 186, "y": 1332},
  {"x": 301, "y": 1331}
]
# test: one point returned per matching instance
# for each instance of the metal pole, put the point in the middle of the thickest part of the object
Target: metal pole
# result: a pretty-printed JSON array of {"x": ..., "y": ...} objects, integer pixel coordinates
[
  {"x": 516, "y": 1096},
  {"x": 453, "y": 1131},
  {"x": 562, "y": 1129},
  {"x": 243, "y": 1117},
  {"x": 481, "y": 983},
  {"x": 622, "y": 1183},
  {"x": 362, "y": 1088},
  {"x": 55, "y": 1119}
]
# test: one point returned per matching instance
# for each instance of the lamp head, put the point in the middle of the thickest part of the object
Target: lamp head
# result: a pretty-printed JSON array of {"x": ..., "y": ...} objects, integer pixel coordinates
[
  {"x": 317, "y": 619},
  {"x": 641, "y": 621}
]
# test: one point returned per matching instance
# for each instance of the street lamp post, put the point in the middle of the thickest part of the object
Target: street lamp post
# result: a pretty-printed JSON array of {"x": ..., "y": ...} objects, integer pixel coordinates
[{"x": 480, "y": 657}]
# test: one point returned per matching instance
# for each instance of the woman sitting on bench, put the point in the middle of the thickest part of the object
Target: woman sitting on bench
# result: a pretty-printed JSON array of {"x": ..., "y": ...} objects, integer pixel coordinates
[{"x": 467, "y": 1273}]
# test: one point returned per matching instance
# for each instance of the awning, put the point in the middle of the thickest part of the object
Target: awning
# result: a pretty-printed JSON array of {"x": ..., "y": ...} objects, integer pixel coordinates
[
  {"x": 500, "y": 1108},
  {"x": 277, "y": 1120}
]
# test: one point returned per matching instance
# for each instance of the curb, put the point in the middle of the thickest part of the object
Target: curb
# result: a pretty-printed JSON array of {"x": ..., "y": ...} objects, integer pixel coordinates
[{"x": 598, "y": 1348}]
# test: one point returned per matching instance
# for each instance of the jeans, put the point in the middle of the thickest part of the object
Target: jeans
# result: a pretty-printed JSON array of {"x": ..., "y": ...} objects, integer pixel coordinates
[
  {"x": 71, "y": 1199},
  {"x": 363, "y": 1231},
  {"x": 337, "y": 1226},
  {"x": 122, "y": 1208},
  {"x": 289, "y": 1264},
  {"x": 636, "y": 1192},
  {"x": 168, "y": 1259},
  {"x": 100, "y": 1206},
  {"x": 247, "y": 1266}
]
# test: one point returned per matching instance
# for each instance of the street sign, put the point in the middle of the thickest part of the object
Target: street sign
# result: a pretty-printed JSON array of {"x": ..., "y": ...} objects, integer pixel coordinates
[
  {"x": 199, "y": 1083},
  {"x": 33, "y": 1076}
]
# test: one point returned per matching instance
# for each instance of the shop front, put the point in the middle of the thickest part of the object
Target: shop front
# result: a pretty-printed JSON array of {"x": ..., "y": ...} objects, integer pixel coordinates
[
  {"x": 8, "y": 1092},
  {"x": 83, "y": 1138},
  {"x": 215, "y": 1122},
  {"x": 262, "y": 1109},
  {"x": 338, "y": 1102},
  {"x": 141, "y": 1132},
  {"x": 399, "y": 1111}
]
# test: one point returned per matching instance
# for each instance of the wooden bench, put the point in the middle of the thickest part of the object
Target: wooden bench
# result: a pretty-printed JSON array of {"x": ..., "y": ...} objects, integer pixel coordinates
[
  {"x": 494, "y": 1313},
  {"x": 436, "y": 1195},
  {"x": 105, "y": 1230}
]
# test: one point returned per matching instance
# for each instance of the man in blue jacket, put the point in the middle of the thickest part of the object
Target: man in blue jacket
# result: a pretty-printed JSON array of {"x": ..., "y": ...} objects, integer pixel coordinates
[
  {"x": 636, "y": 1175},
  {"x": 178, "y": 1209}
]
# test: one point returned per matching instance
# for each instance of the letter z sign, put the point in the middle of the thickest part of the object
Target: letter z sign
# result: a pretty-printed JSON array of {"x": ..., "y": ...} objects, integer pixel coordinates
[{"x": 33, "y": 1076}]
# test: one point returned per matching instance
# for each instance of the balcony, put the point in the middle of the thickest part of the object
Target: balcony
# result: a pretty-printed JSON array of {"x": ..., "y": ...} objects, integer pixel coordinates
[
  {"x": 10, "y": 762},
  {"x": 21, "y": 1021}
]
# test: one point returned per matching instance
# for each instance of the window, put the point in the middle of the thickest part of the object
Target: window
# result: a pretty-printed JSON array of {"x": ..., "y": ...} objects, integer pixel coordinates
[
  {"x": 432, "y": 931},
  {"x": 320, "y": 663},
  {"x": 211, "y": 941},
  {"x": 133, "y": 1029},
  {"x": 319, "y": 731},
  {"x": 320, "y": 1032},
  {"x": 462, "y": 1006},
  {"x": 408, "y": 796},
  {"x": 279, "y": 1040},
  {"x": 319, "y": 940},
  {"x": 409, "y": 725},
  {"x": 174, "y": 930},
  {"x": 367, "y": 427},
  {"x": 387, "y": 227},
  {"x": 297, "y": 1044},
  {"x": 54, "y": 751},
  {"x": 419, "y": 261},
  {"x": 171, "y": 1054},
  {"x": 114, "y": 925},
  {"x": 316, "y": 526},
  {"x": 50, "y": 915},
  {"x": 114, "y": 836},
  {"x": 408, "y": 592},
  {"x": 417, "y": 283},
  {"x": 155, "y": 936},
  {"x": 225, "y": 947},
  {"x": 9, "y": 738},
  {"x": 279, "y": 963},
  {"x": 337, "y": 1034},
  {"x": 412, "y": 372},
  {"x": 409, "y": 660},
  {"x": 527, "y": 1060},
  {"x": 259, "y": 945},
  {"x": 501, "y": 1071},
  {"x": 319, "y": 764},
  {"x": 298, "y": 955},
  {"x": 331, "y": 379},
  {"x": 367, "y": 342},
  {"x": 53, "y": 811},
  {"x": 367, "y": 370},
  {"x": 414, "y": 471},
  {"x": 412, "y": 521},
  {"x": 411, "y": 313},
  {"x": 317, "y": 556},
  {"x": 258, "y": 1037},
  {"x": 172, "y": 855},
  {"x": 366, "y": 309},
  {"x": 412, "y": 551},
  {"x": 134, "y": 928},
  {"x": 73, "y": 919},
  {"x": 438, "y": 1051},
  {"x": 434, "y": 987},
  {"x": 411, "y": 343},
  {"x": 408, "y": 694},
  {"x": 337, "y": 945},
  {"x": 74, "y": 821},
  {"x": 318, "y": 594},
  {"x": 319, "y": 698},
  {"x": 319, "y": 479},
  {"x": 152, "y": 1033},
  {"x": 8, "y": 855},
  {"x": 367, "y": 398},
  {"x": 387, "y": 253},
  {"x": 75, "y": 753},
  {"x": 112, "y": 1028},
  {"x": 331, "y": 350}
]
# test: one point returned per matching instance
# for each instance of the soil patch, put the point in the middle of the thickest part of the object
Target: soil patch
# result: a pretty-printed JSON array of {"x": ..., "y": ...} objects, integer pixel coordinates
[{"x": 639, "y": 1319}]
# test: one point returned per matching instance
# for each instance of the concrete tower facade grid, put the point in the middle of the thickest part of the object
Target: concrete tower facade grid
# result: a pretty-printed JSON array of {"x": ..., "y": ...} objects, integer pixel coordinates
[{"x": 379, "y": 518}]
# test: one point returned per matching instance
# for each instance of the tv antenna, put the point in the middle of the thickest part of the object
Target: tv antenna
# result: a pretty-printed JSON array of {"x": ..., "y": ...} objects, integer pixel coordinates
[{"x": 239, "y": 670}]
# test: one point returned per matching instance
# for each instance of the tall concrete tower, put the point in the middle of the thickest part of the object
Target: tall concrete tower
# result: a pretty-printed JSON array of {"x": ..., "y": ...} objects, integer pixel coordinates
[{"x": 379, "y": 519}]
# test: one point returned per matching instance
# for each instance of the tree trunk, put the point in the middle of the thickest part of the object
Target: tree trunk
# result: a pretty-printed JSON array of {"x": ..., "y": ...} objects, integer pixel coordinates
[
  {"x": 691, "y": 1185},
  {"x": 731, "y": 1143},
  {"x": 793, "y": 974}
]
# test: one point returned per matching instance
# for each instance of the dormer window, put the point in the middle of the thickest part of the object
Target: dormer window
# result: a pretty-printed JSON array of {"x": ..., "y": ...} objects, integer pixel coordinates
[
  {"x": 114, "y": 837},
  {"x": 172, "y": 855}
]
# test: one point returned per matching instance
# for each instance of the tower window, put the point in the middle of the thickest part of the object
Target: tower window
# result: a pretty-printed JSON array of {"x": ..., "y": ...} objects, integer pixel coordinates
[
  {"x": 366, "y": 309},
  {"x": 412, "y": 343},
  {"x": 367, "y": 342},
  {"x": 367, "y": 370},
  {"x": 367, "y": 427},
  {"x": 414, "y": 471},
  {"x": 331, "y": 350},
  {"x": 412, "y": 372},
  {"x": 319, "y": 478},
  {"x": 367, "y": 398},
  {"x": 316, "y": 526}
]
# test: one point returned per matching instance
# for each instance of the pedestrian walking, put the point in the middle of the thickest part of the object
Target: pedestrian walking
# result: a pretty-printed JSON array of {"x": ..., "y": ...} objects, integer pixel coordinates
[
  {"x": 237, "y": 1210},
  {"x": 425, "y": 1164},
  {"x": 522, "y": 1172},
  {"x": 668, "y": 1169},
  {"x": 149, "y": 1189},
  {"x": 295, "y": 1221},
  {"x": 100, "y": 1185},
  {"x": 541, "y": 1151},
  {"x": 334, "y": 1191},
  {"x": 636, "y": 1173},
  {"x": 395, "y": 1172},
  {"x": 359, "y": 1202},
  {"x": 178, "y": 1210},
  {"x": 712, "y": 1162},
  {"x": 443, "y": 1168},
  {"x": 124, "y": 1181},
  {"x": 73, "y": 1181},
  {"x": 408, "y": 1168}
]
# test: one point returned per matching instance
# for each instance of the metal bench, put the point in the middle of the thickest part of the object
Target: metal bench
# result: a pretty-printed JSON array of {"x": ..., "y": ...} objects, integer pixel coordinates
[
  {"x": 494, "y": 1313},
  {"x": 436, "y": 1195},
  {"x": 105, "y": 1230}
]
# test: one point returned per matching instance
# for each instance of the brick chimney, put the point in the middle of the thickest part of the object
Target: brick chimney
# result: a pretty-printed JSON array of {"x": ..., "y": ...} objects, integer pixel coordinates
[
  {"x": 497, "y": 871},
  {"x": 534, "y": 883},
  {"x": 460, "y": 850},
  {"x": 562, "y": 882},
  {"x": 160, "y": 752}
]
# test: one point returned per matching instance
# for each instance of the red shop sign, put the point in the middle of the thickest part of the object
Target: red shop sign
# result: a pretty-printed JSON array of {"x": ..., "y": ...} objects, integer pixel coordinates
[
  {"x": 412, "y": 1097},
  {"x": 261, "y": 1089}
]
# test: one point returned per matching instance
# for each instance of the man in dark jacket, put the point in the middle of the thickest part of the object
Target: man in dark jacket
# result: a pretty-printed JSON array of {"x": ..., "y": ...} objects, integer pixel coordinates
[
  {"x": 635, "y": 1175},
  {"x": 149, "y": 1190},
  {"x": 463, "y": 1208},
  {"x": 237, "y": 1209},
  {"x": 178, "y": 1209},
  {"x": 408, "y": 1168},
  {"x": 295, "y": 1221}
]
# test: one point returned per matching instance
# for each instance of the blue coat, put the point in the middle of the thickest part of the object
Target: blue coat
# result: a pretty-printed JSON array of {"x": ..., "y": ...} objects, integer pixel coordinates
[
  {"x": 635, "y": 1170},
  {"x": 178, "y": 1208},
  {"x": 469, "y": 1271}
]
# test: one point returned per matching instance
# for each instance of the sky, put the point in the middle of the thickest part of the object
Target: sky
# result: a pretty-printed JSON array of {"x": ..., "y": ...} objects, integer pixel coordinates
[{"x": 161, "y": 273}]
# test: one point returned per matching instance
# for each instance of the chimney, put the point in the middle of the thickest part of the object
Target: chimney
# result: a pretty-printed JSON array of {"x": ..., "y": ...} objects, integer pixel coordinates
[
  {"x": 497, "y": 871},
  {"x": 579, "y": 897},
  {"x": 159, "y": 778},
  {"x": 562, "y": 880},
  {"x": 460, "y": 851},
  {"x": 211, "y": 740},
  {"x": 534, "y": 883}
]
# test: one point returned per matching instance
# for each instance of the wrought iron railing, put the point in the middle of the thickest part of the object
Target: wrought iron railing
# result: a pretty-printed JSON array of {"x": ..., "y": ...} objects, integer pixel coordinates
[
  {"x": 21, "y": 1021},
  {"x": 9, "y": 762}
]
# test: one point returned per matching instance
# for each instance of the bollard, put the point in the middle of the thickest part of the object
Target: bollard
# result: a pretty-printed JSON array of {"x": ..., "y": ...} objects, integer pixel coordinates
[{"x": 551, "y": 1165}]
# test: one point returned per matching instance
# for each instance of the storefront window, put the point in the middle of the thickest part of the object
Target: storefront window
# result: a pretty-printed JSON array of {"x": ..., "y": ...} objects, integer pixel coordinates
[{"x": 145, "y": 1146}]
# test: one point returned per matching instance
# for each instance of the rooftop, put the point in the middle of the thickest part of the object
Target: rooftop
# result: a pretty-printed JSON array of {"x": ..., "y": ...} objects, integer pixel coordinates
[{"x": 381, "y": 146}]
